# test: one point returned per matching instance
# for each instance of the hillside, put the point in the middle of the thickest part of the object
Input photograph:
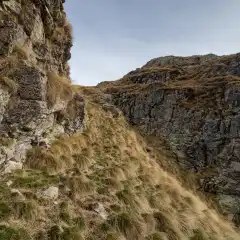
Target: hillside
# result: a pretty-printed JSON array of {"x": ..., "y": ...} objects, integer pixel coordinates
[
  {"x": 102, "y": 184},
  {"x": 192, "y": 104},
  {"x": 72, "y": 167}
]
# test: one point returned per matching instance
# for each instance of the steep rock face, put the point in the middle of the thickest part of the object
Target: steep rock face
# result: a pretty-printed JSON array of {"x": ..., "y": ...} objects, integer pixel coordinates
[
  {"x": 35, "y": 40},
  {"x": 193, "y": 103}
]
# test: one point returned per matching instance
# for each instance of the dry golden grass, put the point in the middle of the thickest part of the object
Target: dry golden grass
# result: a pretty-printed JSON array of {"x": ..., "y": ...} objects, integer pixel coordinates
[
  {"x": 58, "y": 88},
  {"x": 23, "y": 52},
  {"x": 8, "y": 64},
  {"x": 108, "y": 164},
  {"x": 9, "y": 84},
  {"x": 59, "y": 34},
  {"x": 63, "y": 33},
  {"x": 68, "y": 28}
]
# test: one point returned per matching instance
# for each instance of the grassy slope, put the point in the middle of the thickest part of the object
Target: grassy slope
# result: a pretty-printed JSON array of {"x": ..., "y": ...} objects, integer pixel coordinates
[{"x": 110, "y": 187}]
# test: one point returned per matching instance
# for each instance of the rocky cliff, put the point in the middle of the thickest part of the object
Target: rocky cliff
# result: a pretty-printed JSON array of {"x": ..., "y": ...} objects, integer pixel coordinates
[
  {"x": 36, "y": 100},
  {"x": 193, "y": 104}
]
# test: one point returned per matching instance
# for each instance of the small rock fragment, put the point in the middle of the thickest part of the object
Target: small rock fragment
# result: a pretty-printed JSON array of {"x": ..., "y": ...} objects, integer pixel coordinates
[{"x": 51, "y": 193}]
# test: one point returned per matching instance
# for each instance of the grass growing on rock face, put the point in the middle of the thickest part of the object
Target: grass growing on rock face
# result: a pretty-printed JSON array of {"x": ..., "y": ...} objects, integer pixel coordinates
[
  {"x": 9, "y": 63},
  {"x": 111, "y": 188},
  {"x": 58, "y": 88},
  {"x": 9, "y": 84},
  {"x": 63, "y": 33},
  {"x": 22, "y": 52}
]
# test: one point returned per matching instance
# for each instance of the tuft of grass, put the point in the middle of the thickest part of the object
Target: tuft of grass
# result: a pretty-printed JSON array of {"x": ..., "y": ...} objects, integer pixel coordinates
[
  {"x": 8, "y": 233},
  {"x": 198, "y": 234},
  {"x": 63, "y": 33},
  {"x": 7, "y": 64},
  {"x": 22, "y": 51},
  {"x": 157, "y": 236},
  {"x": 128, "y": 224},
  {"x": 58, "y": 34},
  {"x": 71, "y": 234},
  {"x": 39, "y": 159},
  {"x": 163, "y": 224},
  {"x": 129, "y": 198},
  {"x": 9, "y": 84},
  {"x": 114, "y": 236},
  {"x": 68, "y": 28},
  {"x": 5, "y": 210},
  {"x": 54, "y": 232},
  {"x": 79, "y": 222},
  {"x": 25, "y": 210},
  {"x": 81, "y": 187},
  {"x": 58, "y": 88},
  {"x": 82, "y": 161}
]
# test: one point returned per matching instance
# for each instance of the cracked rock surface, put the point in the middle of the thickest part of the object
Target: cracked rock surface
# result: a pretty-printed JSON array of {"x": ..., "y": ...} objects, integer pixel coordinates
[{"x": 35, "y": 39}]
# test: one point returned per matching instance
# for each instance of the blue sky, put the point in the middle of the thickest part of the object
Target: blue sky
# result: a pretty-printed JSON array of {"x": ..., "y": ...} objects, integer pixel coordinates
[{"x": 113, "y": 37}]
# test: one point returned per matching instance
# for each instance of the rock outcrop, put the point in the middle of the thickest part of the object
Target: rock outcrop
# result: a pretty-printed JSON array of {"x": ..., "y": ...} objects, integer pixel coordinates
[
  {"x": 193, "y": 103},
  {"x": 36, "y": 99}
]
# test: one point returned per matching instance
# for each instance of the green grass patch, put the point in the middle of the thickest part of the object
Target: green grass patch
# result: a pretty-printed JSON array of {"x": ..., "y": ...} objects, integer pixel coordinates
[
  {"x": 8, "y": 233},
  {"x": 5, "y": 210},
  {"x": 33, "y": 179}
]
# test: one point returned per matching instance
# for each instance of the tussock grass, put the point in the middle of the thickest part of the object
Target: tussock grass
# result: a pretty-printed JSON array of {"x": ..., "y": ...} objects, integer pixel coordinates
[
  {"x": 109, "y": 165},
  {"x": 63, "y": 33},
  {"x": 9, "y": 84},
  {"x": 81, "y": 186},
  {"x": 9, "y": 233},
  {"x": 114, "y": 236},
  {"x": 127, "y": 224},
  {"x": 7, "y": 64},
  {"x": 25, "y": 209},
  {"x": 58, "y": 88},
  {"x": 5, "y": 210},
  {"x": 23, "y": 52},
  {"x": 82, "y": 161},
  {"x": 68, "y": 28},
  {"x": 157, "y": 236},
  {"x": 39, "y": 159}
]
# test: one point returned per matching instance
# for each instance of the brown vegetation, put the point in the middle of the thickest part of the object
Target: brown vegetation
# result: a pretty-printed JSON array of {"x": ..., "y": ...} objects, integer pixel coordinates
[
  {"x": 109, "y": 164},
  {"x": 58, "y": 88}
]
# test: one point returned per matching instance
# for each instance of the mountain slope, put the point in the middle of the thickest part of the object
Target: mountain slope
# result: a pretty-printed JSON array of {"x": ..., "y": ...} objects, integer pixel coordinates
[
  {"x": 109, "y": 185},
  {"x": 192, "y": 104}
]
